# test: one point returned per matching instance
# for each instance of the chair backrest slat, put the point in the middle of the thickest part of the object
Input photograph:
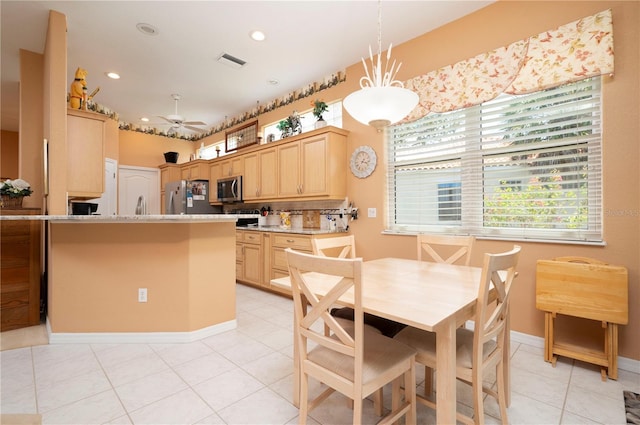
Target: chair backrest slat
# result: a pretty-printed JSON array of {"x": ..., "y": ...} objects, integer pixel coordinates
[
  {"x": 343, "y": 275},
  {"x": 438, "y": 248},
  {"x": 325, "y": 246},
  {"x": 498, "y": 273}
]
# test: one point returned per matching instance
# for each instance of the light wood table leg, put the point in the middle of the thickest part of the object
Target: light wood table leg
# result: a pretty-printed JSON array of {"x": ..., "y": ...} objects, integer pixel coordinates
[
  {"x": 446, "y": 367},
  {"x": 506, "y": 359},
  {"x": 612, "y": 334}
]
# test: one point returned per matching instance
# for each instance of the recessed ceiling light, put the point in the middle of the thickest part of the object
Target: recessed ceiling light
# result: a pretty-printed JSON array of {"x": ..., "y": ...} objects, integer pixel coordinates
[
  {"x": 257, "y": 35},
  {"x": 273, "y": 82},
  {"x": 147, "y": 29},
  {"x": 112, "y": 75},
  {"x": 144, "y": 119}
]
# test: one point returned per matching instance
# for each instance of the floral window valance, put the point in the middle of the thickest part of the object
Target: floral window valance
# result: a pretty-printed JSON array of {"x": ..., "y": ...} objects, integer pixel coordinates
[{"x": 572, "y": 52}]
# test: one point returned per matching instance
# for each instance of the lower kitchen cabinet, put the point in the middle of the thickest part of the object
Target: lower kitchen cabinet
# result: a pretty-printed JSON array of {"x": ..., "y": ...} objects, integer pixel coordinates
[
  {"x": 249, "y": 260},
  {"x": 19, "y": 270},
  {"x": 260, "y": 255}
]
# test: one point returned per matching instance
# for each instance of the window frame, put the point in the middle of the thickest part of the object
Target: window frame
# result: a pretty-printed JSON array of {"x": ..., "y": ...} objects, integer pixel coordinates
[{"x": 472, "y": 156}]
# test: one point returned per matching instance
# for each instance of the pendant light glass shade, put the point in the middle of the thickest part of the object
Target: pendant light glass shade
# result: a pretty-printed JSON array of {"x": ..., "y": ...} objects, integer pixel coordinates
[
  {"x": 382, "y": 100},
  {"x": 380, "y": 106}
]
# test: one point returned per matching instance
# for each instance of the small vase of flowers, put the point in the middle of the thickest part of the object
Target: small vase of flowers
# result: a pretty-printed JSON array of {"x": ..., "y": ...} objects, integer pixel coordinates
[
  {"x": 319, "y": 107},
  {"x": 13, "y": 191}
]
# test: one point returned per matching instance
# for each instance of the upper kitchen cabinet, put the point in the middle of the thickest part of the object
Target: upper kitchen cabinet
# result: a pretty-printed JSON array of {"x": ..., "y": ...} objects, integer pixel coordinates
[
  {"x": 195, "y": 170},
  {"x": 85, "y": 153},
  {"x": 314, "y": 167},
  {"x": 232, "y": 167},
  {"x": 260, "y": 175}
]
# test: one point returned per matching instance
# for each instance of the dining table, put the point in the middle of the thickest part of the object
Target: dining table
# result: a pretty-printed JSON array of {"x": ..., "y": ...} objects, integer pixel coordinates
[{"x": 435, "y": 297}]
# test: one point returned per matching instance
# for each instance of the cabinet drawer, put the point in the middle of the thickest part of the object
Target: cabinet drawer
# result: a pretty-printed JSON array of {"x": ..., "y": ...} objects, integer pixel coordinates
[
  {"x": 279, "y": 259},
  {"x": 297, "y": 242},
  {"x": 251, "y": 237}
]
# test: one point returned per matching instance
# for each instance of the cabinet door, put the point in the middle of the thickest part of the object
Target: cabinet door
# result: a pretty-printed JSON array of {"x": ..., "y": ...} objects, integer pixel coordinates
[
  {"x": 268, "y": 172},
  {"x": 289, "y": 170},
  {"x": 251, "y": 181},
  {"x": 215, "y": 173},
  {"x": 232, "y": 167},
  {"x": 85, "y": 156},
  {"x": 314, "y": 166},
  {"x": 252, "y": 264}
]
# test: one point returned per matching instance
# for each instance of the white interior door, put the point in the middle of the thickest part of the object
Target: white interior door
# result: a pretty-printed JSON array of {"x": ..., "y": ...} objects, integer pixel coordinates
[
  {"x": 135, "y": 182},
  {"x": 108, "y": 202}
]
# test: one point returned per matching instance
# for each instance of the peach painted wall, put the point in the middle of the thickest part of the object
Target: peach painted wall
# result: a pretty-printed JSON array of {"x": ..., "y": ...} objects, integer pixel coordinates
[
  {"x": 96, "y": 270},
  {"x": 31, "y": 128},
  {"x": 495, "y": 26},
  {"x": 146, "y": 150},
  {"x": 55, "y": 110},
  {"x": 9, "y": 154}
]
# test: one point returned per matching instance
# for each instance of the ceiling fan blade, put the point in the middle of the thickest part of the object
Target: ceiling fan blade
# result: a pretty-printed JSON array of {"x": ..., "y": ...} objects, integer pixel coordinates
[
  {"x": 201, "y": 130},
  {"x": 167, "y": 119},
  {"x": 194, "y": 123}
]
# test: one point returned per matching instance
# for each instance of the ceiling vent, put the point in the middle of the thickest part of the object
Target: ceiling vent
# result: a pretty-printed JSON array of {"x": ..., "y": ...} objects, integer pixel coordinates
[{"x": 231, "y": 61}]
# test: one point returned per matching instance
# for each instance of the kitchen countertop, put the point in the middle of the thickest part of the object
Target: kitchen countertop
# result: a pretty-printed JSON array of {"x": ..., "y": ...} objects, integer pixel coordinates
[
  {"x": 298, "y": 230},
  {"x": 150, "y": 218}
]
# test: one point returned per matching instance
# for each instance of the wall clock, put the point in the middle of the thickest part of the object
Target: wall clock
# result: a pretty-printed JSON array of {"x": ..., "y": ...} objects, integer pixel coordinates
[{"x": 363, "y": 161}]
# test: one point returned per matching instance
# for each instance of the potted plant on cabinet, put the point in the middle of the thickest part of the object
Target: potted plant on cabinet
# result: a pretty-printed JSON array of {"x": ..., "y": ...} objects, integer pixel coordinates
[
  {"x": 13, "y": 191},
  {"x": 319, "y": 107}
]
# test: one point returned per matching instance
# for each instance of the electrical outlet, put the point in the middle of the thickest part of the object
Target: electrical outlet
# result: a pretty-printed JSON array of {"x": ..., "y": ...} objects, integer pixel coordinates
[
  {"x": 372, "y": 212},
  {"x": 142, "y": 295}
]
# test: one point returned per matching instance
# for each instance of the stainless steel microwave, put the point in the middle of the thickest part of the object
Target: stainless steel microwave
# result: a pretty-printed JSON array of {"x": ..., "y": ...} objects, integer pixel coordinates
[{"x": 230, "y": 189}]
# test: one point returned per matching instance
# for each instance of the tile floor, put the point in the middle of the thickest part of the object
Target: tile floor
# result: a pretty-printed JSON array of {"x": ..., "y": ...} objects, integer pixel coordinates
[{"x": 244, "y": 376}]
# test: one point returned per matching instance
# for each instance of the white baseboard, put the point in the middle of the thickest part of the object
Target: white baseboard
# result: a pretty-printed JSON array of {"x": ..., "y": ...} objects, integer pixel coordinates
[
  {"x": 137, "y": 337},
  {"x": 624, "y": 363}
]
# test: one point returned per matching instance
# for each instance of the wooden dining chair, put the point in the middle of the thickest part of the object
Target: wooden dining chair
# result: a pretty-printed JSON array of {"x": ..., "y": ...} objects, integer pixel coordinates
[
  {"x": 481, "y": 348},
  {"x": 448, "y": 249},
  {"x": 354, "y": 364}
]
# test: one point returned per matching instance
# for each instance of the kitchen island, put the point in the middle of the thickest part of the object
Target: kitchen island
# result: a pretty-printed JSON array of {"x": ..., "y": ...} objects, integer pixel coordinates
[{"x": 146, "y": 278}]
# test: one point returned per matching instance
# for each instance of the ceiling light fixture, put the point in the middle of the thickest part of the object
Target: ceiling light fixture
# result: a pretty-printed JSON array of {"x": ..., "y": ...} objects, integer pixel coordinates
[
  {"x": 144, "y": 119},
  {"x": 257, "y": 35},
  {"x": 147, "y": 29},
  {"x": 112, "y": 75},
  {"x": 381, "y": 100}
]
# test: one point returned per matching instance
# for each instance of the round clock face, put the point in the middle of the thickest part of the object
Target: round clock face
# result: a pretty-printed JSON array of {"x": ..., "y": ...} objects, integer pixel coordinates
[{"x": 363, "y": 161}]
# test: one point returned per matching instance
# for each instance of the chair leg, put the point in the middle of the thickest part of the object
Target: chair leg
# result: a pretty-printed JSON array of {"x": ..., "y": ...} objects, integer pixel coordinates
[
  {"x": 428, "y": 382},
  {"x": 304, "y": 399},
  {"x": 502, "y": 397},
  {"x": 410, "y": 394},
  {"x": 478, "y": 395},
  {"x": 377, "y": 402}
]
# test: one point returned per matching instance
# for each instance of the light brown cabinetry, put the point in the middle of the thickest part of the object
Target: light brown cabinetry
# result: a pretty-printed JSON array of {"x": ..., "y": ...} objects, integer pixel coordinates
[
  {"x": 85, "y": 153},
  {"x": 259, "y": 267},
  {"x": 232, "y": 167},
  {"x": 168, "y": 173},
  {"x": 195, "y": 170},
  {"x": 19, "y": 270},
  {"x": 313, "y": 167},
  {"x": 249, "y": 255},
  {"x": 260, "y": 181}
]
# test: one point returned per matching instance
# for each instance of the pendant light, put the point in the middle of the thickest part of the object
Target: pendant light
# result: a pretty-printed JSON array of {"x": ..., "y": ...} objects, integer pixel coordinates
[{"x": 381, "y": 100}]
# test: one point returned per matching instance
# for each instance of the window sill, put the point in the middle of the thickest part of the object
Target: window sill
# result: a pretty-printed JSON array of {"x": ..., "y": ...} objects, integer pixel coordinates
[{"x": 506, "y": 238}]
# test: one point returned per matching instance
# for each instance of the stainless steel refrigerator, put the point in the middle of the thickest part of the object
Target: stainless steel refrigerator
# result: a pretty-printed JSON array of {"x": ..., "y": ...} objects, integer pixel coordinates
[{"x": 188, "y": 197}]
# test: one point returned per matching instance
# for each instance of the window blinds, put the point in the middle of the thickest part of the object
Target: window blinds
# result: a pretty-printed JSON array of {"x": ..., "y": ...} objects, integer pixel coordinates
[{"x": 526, "y": 166}]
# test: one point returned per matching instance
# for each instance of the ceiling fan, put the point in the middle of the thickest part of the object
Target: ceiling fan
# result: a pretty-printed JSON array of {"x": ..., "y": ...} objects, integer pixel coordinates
[{"x": 177, "y": 121}]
